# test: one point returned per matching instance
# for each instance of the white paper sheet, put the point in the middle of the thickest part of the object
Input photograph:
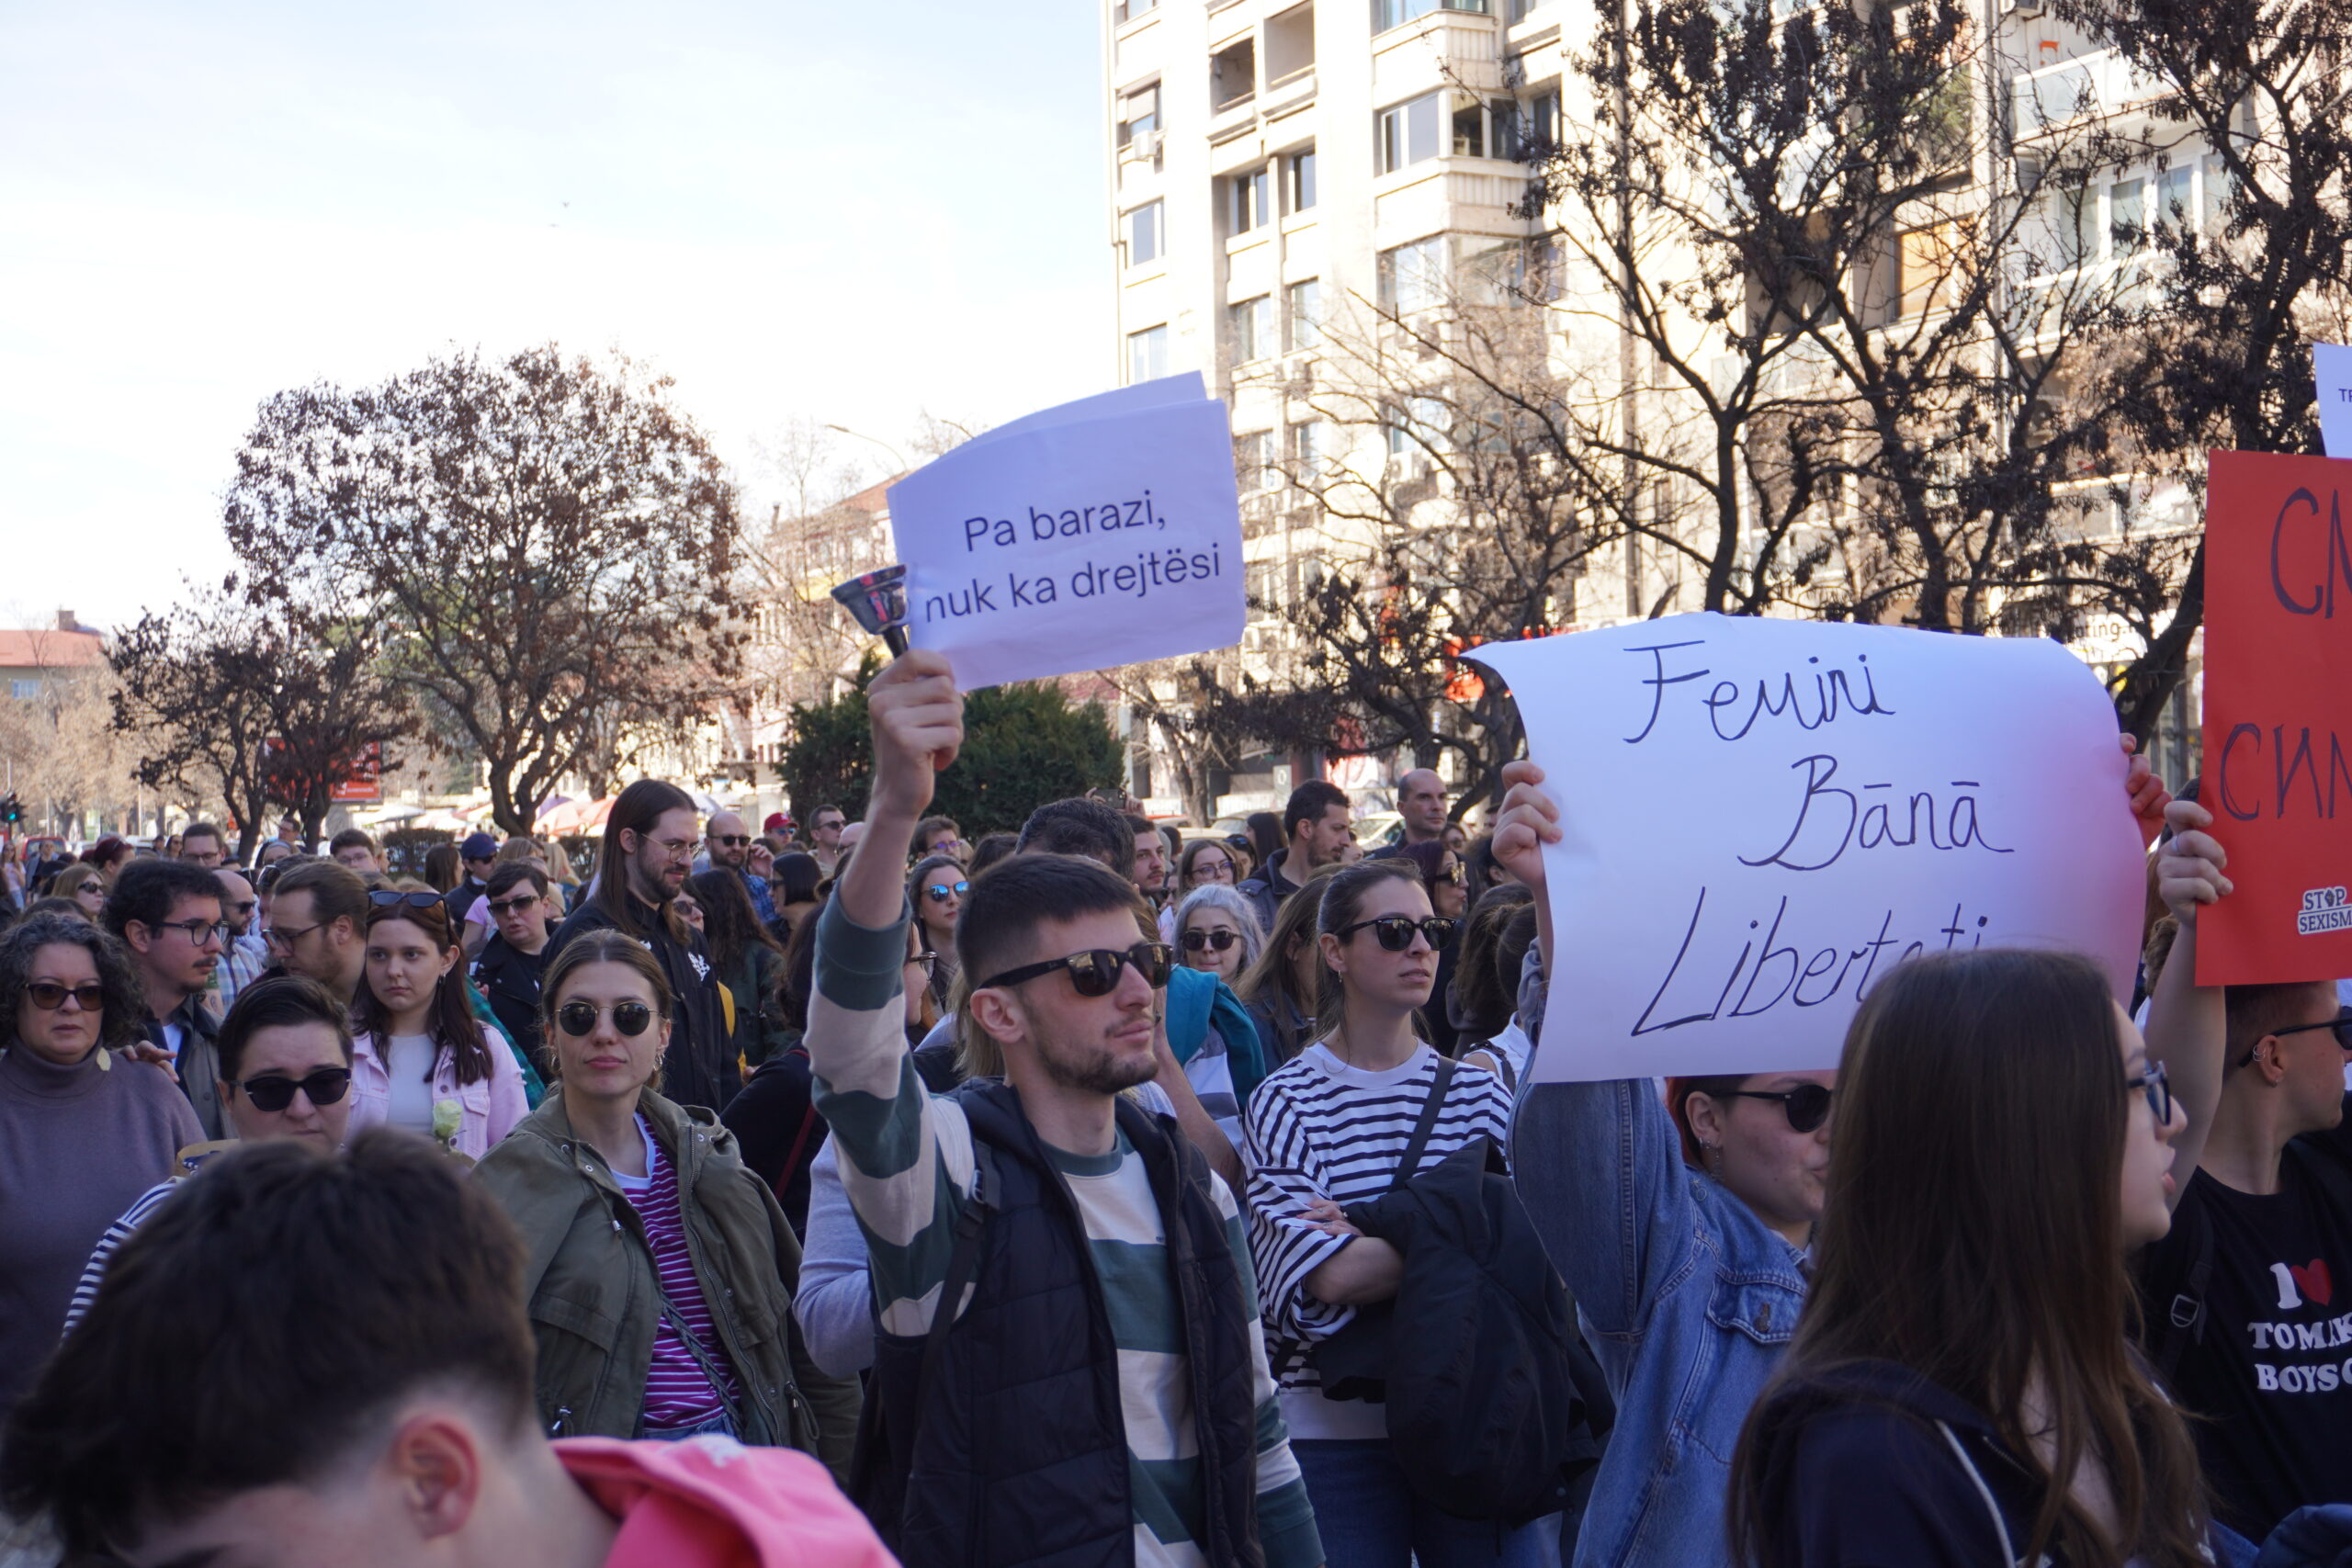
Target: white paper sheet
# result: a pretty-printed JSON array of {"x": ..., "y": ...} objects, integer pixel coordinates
[
  {"x": 1761, "y": 816},
  {"x": 2331, "y": 365},
  {"x": 1076, "y": 538}
]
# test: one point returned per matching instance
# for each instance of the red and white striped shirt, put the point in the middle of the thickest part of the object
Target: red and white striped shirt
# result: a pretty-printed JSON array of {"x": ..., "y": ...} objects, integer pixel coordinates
[{"x": 677, "y": 1392}]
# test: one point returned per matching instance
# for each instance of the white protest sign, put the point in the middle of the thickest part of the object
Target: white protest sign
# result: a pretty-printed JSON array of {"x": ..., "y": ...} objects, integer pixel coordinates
[
  {"x": 1762, "y": 817},
  {"x": 1102, "y": 533},
  {"x": 2332, "y": 367}
]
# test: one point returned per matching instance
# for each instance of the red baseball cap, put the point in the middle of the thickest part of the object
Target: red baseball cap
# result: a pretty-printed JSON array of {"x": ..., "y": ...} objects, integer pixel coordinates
[{"x": 777, "y": 822}]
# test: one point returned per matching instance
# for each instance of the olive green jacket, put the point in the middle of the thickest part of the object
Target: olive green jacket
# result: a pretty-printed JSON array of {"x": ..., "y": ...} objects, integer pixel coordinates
[{"x": 594, "y": 1301}]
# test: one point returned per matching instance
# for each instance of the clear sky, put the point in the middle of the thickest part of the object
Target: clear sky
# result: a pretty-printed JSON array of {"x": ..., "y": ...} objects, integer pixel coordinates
[{"x": 851, "y": 212}]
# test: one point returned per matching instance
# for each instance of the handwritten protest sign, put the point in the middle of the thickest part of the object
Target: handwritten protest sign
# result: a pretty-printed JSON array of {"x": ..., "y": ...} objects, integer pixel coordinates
[
  {"x": 2331, "y": 370},
  {"x": 2277, "y": 771},
  {"x": 1762, "y": 817},
  {"x": 1101, "y": 532}
]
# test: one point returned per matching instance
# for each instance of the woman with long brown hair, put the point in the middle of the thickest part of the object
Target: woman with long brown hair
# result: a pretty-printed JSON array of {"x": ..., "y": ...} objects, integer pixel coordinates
[
  {"x": 419, "y": 1058},
  {"x": 1961, "y": 1390}
]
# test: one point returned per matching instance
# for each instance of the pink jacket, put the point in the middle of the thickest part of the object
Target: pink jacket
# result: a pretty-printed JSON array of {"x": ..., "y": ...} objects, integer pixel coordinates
[
  {"x": 712, "y": 1502},
  {"x": 489, "y": 1108}
]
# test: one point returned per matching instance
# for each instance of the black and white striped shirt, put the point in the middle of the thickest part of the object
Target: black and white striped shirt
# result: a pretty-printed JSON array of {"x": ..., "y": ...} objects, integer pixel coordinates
[{"x": 1320, "y": 1128}]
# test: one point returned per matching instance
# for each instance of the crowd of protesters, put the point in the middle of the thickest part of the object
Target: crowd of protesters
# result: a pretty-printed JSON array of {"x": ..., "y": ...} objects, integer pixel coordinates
[{"x": 1102, "y": 1193}]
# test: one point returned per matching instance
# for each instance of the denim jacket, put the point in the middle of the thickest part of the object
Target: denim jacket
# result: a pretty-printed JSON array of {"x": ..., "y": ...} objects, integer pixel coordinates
[{"x": 1688, "y": 1299}]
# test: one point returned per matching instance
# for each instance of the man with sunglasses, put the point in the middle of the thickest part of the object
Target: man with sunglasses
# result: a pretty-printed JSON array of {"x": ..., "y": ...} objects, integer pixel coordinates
[
  {"x": 1037, "y": 1233},
  {"x": 509, "y": 967},
  {"x": 285, "y": 1066},
  {"x": 167, "y": 912},
  {"x": 727, "y": 843},
  {"x": 2249, "y": 1299},
  {"x": 246, "y": 956}
]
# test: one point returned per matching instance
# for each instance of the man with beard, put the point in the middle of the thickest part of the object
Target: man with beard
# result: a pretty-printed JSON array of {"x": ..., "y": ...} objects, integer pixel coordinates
[
  {"x": 1107, "y": 1265},
  {"x": 649, "y": 845}
]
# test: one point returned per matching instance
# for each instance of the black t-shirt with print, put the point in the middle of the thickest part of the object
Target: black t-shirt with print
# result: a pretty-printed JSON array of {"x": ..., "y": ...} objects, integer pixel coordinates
[{"x": 2272, "y": 1375}]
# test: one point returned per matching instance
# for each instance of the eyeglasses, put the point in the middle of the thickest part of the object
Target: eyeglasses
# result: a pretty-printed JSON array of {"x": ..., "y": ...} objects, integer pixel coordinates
[
  {"x": 732, "y": 840},
  {"x": 675, "y": 849},
  {"x": 1222, "y": 941},
  {"x": 2341, "y": 1024},
  {"x": 505, "y": 907},
  {"x": 938, "y": 892},
  {"x": 242, "y": 909},
  {"x": 926, "y": 962},
  {"x": 274, "y": 1091},
  {"x": 1095, "y": 972},
  {"x": 287, "y": 936},
  {"x": 579, "y": 1019},
  {"x": 49, "y": 996},
  {"x": 387, "y": 898},
  {"x": 2153, "y": 1083},
  {"x": 1396, "y": 932},
  {"x": 1806, "y": 1106},
  {"x": 196, "y": 932}
]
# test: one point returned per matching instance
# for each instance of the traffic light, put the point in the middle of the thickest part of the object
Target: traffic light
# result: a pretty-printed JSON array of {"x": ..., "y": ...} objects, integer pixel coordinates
[{"x": 11, "y": 811}]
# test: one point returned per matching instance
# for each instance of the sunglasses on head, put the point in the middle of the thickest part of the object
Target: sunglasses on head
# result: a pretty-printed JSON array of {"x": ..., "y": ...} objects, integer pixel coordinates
[
  {"x": 939, "y": 891},
  {"x": 1095, "y": 972},
  {"x": 1395, "y": 932},
  {"x": 49, "y": 996},
  {"x": 1806, "y": 1106},
  {"x": 579, "y": 1019},
  {"x": 389, "y": 898},
  {"x": 274, "y": 1091},
  {"x": 1222, "y": 941}
]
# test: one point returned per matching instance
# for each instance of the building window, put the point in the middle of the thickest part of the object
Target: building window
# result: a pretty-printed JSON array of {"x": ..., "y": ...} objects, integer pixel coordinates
[
  {"x": 2176, "y": 197},
  {"x": 1416, "y": 427},
  {"x": 1248, "y": 201},
  {"x": 1250, "y": 329},
  {"x": 1233, "y": 74},
  {"x": 1253, "y": 461},
  {"x": 1387, "y": 14},
  {"x": 23, "y": 691},
  {"x": 1310, "y": 450},
  {"x": 1306, "y": 314},
  {"x": 1145, "y": 240},
  {"x": 1408, "y": 133},
  {"x": 1128, "y": 10},
  {"x": 1298, "y": 180},
  {"x": 2127, "y": 215},
  {"x": 1147, "y": 355},
  {"x": 1290, "y": 44},
  {"x": 1526, "y": 131},
  {"x": 1412, "y": 277},
  {"x": 2214, "y": 202},
  {"x": 1139, "y": 114}
]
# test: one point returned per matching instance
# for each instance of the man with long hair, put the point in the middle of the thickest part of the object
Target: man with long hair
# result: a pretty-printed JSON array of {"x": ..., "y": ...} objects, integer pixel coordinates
[{"x": 649, "y": 843}]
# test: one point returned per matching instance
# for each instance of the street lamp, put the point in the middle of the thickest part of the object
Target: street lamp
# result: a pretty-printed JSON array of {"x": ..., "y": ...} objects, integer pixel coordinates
[{"x": 860, "y": 436}]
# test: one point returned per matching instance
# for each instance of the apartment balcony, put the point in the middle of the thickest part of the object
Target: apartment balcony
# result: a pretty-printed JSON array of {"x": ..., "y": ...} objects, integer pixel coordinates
[
  {"x": 1447, "y": 47},
  {"x": 2073, "y": 93},
  {"x": 1468, "y": 200}
]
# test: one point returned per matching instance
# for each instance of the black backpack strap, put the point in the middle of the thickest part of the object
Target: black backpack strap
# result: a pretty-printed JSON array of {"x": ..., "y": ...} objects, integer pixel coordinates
[
  {"x": 1410, "y": 1164},
  {"x": 2177, "y": 1321},
  {"x": 961, "y": 1263}
]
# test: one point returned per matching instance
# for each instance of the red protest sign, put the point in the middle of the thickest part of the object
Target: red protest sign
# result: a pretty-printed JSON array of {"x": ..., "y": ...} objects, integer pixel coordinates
[{"x": 2278, "y": 771}]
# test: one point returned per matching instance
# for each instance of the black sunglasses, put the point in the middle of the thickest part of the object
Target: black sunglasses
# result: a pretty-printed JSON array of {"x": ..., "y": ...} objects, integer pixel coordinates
[
  {"x": 508, "y": 906},
  {"x": 274, "y": 1091},
  {"x": 387, "y": 898},
  {"x": 579, "y": 1019},
  {"x": 1220, "y": 939},
  {"x": 1806, "y": 1106},
  {"x": 1095, "y": 972},
  {"x": 1396, "y": 932},
  {"x": 732, "y": 840},
  {"x": 939, "y": 891},
  {"x": 2341, "y": 1024},
  {"x": 49, "y": 996}
]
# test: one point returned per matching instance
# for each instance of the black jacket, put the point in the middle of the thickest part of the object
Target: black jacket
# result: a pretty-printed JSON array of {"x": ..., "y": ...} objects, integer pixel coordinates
[
  {"x": 510, "y": 983},
  {"x": 1267, "y": 890},
  {"x": 1007, "y": 1444},
  {"x": 1872, "y": 1464},
  {"x": 198, "y": 1066},
  {"x": 699, "y": 1066}
]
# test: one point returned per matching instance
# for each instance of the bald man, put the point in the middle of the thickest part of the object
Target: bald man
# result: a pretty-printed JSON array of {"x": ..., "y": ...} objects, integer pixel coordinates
[{"x": 726, "y": 841}]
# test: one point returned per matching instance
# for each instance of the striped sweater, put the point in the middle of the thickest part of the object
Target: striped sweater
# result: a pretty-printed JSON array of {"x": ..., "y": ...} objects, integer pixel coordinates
[
  {"x": 677, "y": 1391},
  {"x": 1321, "y": 1128},
  {"x": 907, "y": 1165}
]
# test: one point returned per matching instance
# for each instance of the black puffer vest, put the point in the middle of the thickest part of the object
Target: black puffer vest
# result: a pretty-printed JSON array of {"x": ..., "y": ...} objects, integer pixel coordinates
[{"x": 1001, "y": 1440}]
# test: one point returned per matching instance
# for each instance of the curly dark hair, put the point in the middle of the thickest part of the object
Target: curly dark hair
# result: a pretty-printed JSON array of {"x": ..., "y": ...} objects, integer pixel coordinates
[{"x": 126, "y": 1000}]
